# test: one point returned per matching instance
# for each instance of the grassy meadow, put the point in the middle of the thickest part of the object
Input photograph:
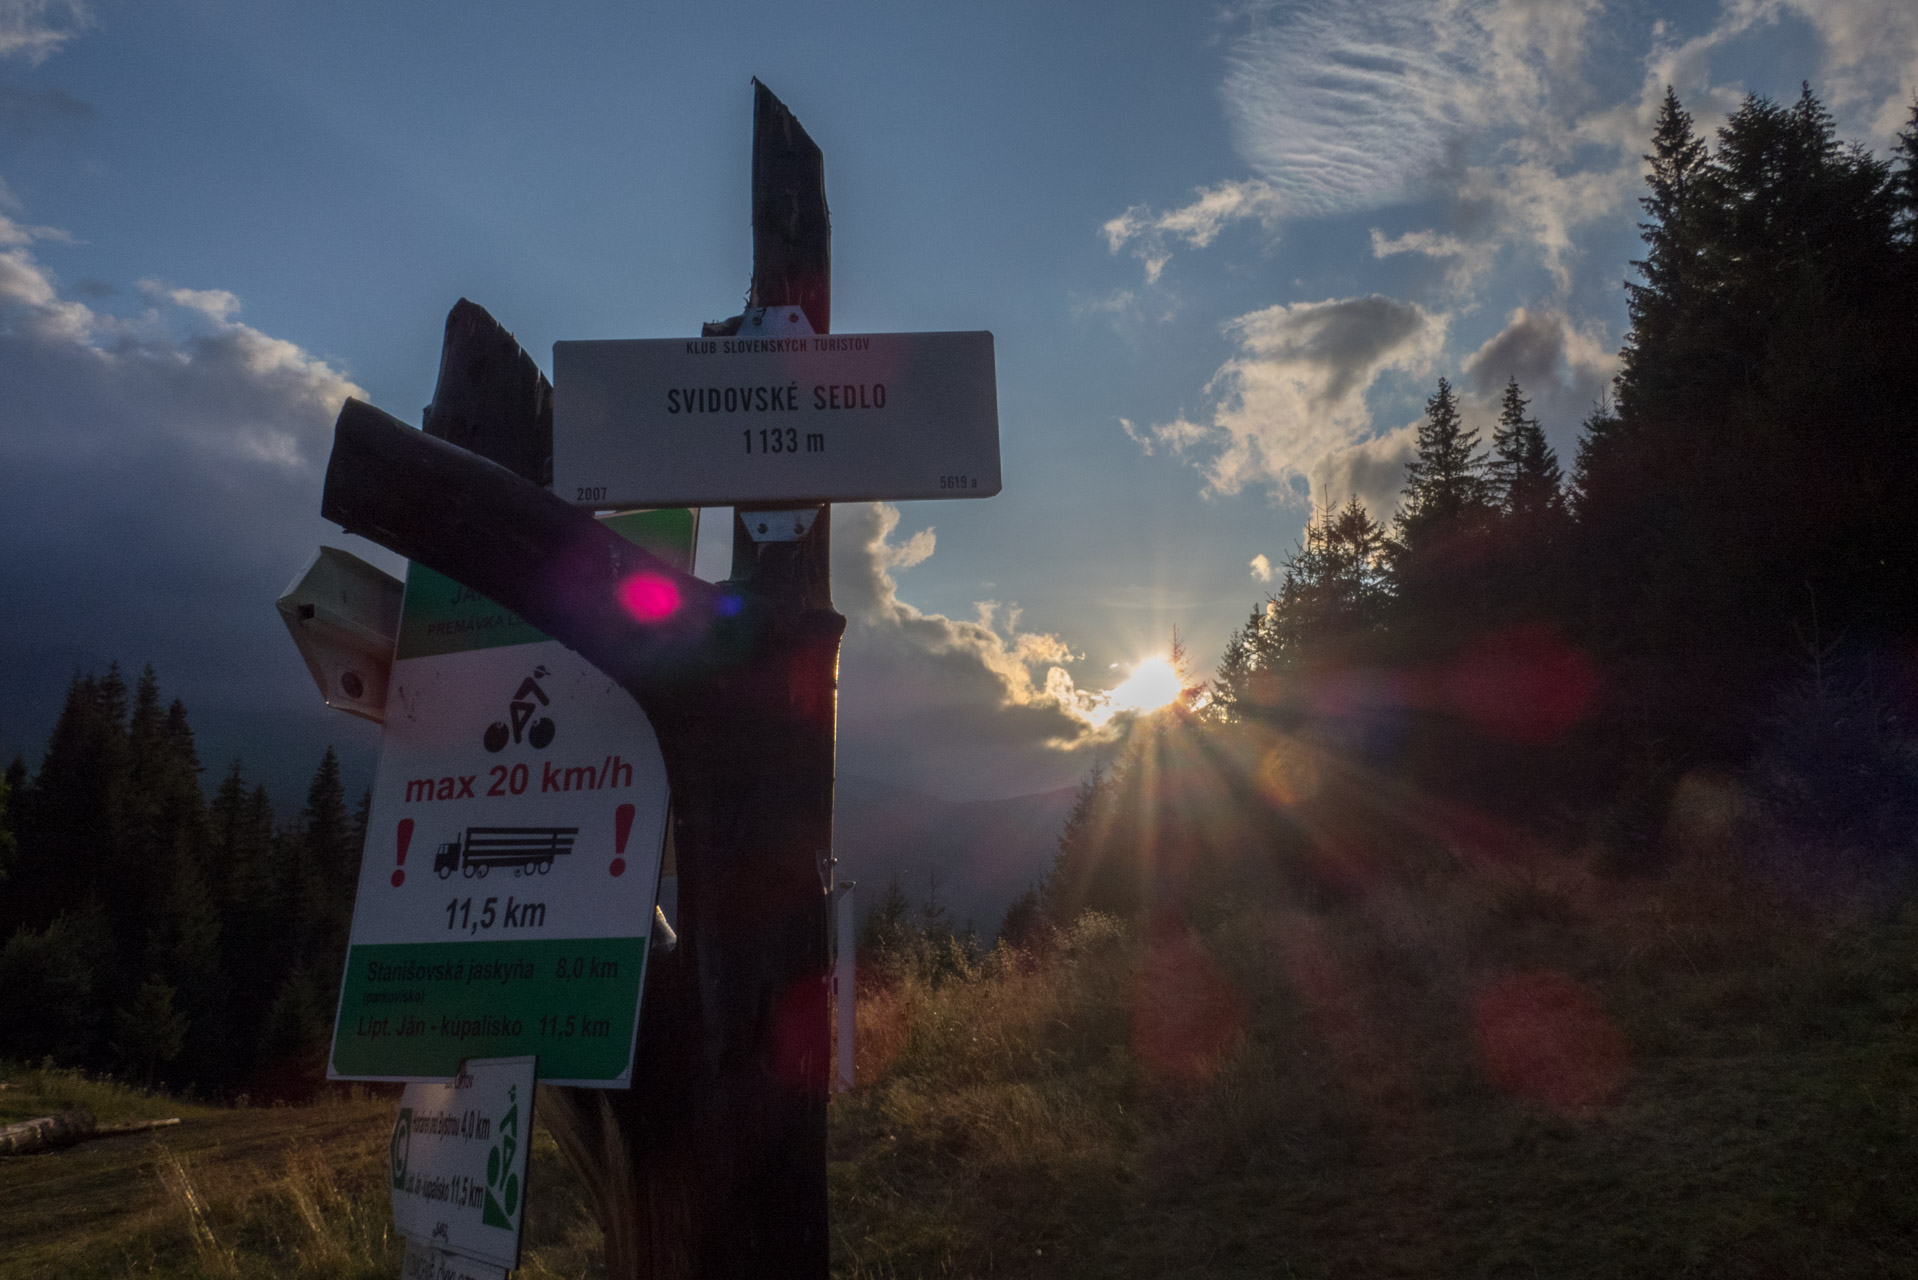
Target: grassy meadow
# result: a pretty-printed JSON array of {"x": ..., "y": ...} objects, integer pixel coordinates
[
  {"x": 1472, "y": 1068},
  {"x": 1659, "y": 1093}
]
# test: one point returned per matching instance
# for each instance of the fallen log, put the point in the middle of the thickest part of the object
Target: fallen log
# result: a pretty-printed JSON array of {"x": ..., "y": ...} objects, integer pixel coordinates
[{"x": 66, "y": 1129}]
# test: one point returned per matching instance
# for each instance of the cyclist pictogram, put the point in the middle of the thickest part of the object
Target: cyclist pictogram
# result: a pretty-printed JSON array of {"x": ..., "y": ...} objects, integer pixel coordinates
[
  {"x": 520, "y": 711},
  {"x": 502, "y": 1182}
]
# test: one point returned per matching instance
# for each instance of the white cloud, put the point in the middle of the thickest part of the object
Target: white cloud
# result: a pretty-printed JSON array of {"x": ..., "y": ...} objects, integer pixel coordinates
[
  {"x": 1338, "y": 107},
  {"x": 944, "y": 703},
  {"x": 217, "y": 305},
  {"x": 1870, "y": 57},
  {"x": 1023, "y": 669},
  {"x": 1261, "y": 568},
  {"x": 1197, "y": 224},
  {"x": 35, "y": 29},
  {"x": 1295, "y": 392},
  {"x": 1535, "y": 203},
  {"x": 1469, "y": 260}
]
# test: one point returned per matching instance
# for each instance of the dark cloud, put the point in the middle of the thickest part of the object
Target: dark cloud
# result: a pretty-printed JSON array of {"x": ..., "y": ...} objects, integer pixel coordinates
[
  {"x": 1372, "y": 472},
  {"x": 954, "y": 707},
  {"x": 1562, "y": 369},
  {"x": 27, "y": 112},
  {"x": 159, "y": 485}
]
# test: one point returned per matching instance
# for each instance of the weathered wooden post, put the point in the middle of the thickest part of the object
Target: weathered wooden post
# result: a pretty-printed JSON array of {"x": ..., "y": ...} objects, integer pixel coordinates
[
  {"x": 713, "y": 1163},
  {"x": 719, "y": 1149}
]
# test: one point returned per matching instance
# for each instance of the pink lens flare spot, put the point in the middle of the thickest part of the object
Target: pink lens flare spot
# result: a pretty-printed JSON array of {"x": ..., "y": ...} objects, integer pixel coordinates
[
  {"x": 1187, "y": 1017},
  {"x": 1542, "y": 1036},
  {"x": 649, "y": 597},
  {"x": 618, "y": 867}
]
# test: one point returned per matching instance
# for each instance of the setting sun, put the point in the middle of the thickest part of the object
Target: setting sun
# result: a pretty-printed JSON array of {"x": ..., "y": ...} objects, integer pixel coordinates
[{"x": 1151, "y": 685}]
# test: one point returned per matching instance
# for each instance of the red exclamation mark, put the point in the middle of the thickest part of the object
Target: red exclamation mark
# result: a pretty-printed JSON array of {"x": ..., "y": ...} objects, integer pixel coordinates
[
  {"x": 406, "y": 838},
  {"x": 622, "y": 827}
]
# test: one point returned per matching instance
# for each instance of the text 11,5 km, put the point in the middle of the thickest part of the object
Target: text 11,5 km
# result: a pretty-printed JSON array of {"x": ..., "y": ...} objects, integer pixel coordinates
[{"x": 798, "y": 419}]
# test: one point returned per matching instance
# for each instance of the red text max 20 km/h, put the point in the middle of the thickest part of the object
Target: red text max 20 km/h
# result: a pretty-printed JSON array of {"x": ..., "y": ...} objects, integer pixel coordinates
[{"x": 502, "y": 780}]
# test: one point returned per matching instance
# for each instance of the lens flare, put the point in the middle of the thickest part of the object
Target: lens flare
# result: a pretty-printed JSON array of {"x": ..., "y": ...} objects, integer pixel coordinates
[
  {"x": 1541, "y": 1036},
  {"x": 649, "y": 597}
]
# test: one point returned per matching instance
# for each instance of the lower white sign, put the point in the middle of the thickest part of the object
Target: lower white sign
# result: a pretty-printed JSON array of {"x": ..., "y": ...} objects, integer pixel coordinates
[
  {"x": 423, "y": 1262},
  {"x": 459, "y": 1160}
]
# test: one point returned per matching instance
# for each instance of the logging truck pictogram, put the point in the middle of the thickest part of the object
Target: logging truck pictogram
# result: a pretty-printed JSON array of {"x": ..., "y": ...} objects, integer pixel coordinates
[{"x": 527, "y": 850}]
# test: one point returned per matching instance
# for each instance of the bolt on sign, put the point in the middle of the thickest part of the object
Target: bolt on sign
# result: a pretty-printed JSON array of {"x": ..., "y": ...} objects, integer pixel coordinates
[
  {"x": 458, "y": 1164},
  {"x": 513, "y": 849},
  {"x": 783, "y": 417}
]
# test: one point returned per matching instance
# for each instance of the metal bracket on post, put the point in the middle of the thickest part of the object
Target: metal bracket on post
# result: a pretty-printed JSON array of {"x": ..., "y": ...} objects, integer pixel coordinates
[
  {"x": 788, "y": 524},
  {"x": 774, "y": 322},
  {"x": 783, "y": 524}
]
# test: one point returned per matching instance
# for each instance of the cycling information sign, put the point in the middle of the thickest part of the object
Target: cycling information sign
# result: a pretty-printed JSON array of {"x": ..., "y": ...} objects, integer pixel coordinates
[
  {"x": 458, "y": 1164},
  {"x": 513, "y": 848}
]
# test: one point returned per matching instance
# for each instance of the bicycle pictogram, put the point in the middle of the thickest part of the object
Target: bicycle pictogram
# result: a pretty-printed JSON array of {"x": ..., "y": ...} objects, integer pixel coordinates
[{"x": 520, "y": 711}]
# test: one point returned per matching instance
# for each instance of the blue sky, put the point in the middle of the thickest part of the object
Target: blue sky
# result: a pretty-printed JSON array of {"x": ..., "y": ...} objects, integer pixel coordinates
[{"x": 1226, "y": 252}]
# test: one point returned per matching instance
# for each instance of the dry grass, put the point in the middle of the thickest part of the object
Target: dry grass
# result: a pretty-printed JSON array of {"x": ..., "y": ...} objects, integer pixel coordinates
[
  {"x": 1466, "y": 1068},
  {"x": 1483, "y": 1070},
  {"x": 292, "y": 1193}
]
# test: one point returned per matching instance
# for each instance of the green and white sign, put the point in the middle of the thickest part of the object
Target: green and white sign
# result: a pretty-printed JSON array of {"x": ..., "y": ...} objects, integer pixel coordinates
[
  {"x": 458, "y": 1161},
  {"x": 513, "y": 850}
]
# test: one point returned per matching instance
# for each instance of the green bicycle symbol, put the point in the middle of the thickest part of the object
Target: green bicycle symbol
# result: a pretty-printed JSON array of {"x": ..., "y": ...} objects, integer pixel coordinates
[
  {"x": 502, "y": 1185},
  {"x": 402, "y": 1147}
]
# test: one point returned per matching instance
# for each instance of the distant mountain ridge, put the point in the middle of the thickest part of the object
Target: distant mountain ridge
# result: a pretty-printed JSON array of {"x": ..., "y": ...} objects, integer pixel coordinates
[{"x": 984, "y": 853}]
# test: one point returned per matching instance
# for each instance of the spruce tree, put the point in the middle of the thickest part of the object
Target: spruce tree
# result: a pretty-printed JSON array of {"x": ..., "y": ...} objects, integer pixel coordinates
[
  {"x": 327, "y": 867},
  {"x": 1525, "y": 477},
  {"x": 1233, "y": 691},
  {"x": 1670, "y": 269},
  {"x": 1436, "y": 554},
  {"x": 71, "y": 815},
  {"x": 1069, "y": 886},
  {"x": 149, "y": 1030},
  {"x": 53, "y": 985},
  {"x": 1904, "y": 181},
  {"x": 9, "y": 843},
  {"x": 1445, "y": 483}
]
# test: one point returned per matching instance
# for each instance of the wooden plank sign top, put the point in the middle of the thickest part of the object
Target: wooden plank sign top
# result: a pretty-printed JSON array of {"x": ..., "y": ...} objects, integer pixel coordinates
[{"x": 793, "y": 418}]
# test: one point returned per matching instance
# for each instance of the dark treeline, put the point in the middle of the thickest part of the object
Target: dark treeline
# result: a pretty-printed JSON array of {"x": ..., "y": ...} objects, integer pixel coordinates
[
  {"x": 1725, "y": 585},
  {"x": 158, "y": 934}
]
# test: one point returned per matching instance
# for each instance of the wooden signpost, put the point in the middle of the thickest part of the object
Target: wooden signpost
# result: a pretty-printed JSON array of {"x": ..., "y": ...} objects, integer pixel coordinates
[{"x": 712, "y": 1164}]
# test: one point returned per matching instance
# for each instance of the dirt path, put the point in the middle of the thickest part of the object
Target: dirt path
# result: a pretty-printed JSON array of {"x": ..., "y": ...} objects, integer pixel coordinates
[{"x": 100, "y": 1194}]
